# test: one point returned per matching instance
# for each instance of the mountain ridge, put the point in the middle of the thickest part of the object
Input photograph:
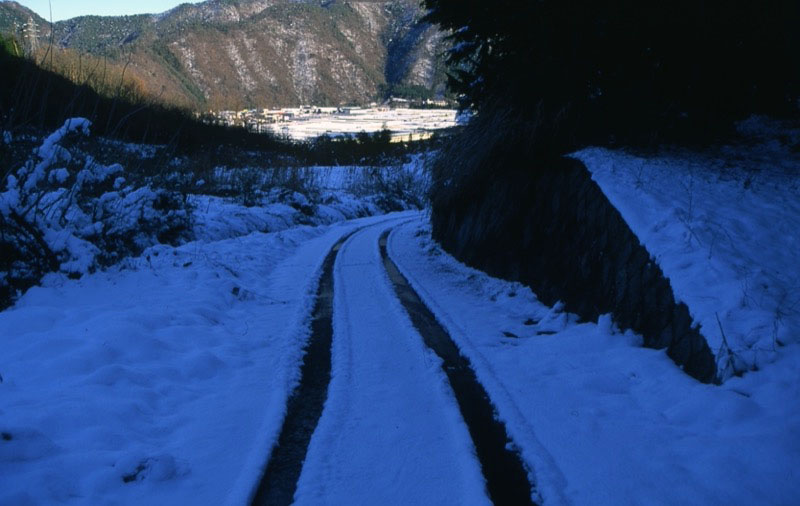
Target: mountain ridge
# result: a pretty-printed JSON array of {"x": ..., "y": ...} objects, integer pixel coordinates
[{"x": 261, "y": 53}]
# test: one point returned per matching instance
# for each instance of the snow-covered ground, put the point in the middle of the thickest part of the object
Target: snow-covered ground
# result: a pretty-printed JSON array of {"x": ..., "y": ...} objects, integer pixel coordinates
[
  {"x": 391, "y": 429},
  {"x": 401, "y": 122},
  {"x": 218, "y": 218},
  {"x": 349, "y": 177},
  {"x": 328, "y": 177},
  {"x": 725, "y": 228},
  {"x": 63, "y": 210},
  {"x": 171, "y": 372},
  {"x": 598, "y": 418},
  {"x": 164, "y": 379}
]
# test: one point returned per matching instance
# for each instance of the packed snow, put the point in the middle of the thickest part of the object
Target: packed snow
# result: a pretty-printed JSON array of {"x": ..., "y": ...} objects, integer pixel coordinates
[{"x": 391, "y": 429}]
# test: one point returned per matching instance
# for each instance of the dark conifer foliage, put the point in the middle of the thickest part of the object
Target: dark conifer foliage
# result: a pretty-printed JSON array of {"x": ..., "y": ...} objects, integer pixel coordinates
[{"x": 595, "y": 70}]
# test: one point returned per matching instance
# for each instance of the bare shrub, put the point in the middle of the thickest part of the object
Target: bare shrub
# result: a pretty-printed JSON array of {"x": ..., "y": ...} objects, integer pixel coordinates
[
  {"x": 395, "y": 187},
  {"x": 64, "y": 211}
]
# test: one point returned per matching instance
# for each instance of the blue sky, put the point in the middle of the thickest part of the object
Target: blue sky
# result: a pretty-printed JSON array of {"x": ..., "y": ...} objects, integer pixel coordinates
[{"x": 65, "y": 9}]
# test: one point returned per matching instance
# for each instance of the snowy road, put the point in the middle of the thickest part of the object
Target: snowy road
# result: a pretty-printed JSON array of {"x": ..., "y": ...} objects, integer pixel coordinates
[
  {"x": 390, "y": 431},
  {"x": 166, "y": 381},
  {"x": 405, "y": 419}
]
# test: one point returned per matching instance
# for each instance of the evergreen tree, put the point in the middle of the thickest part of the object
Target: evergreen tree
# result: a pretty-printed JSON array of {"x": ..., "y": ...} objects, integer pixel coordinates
[{"x": 597, "y": 68}]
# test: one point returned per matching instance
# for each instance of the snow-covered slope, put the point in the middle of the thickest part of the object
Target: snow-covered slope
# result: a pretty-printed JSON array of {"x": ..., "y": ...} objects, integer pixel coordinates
[
  {"x": 725, "y": 229},
  {"x": 600, "y": 419}
]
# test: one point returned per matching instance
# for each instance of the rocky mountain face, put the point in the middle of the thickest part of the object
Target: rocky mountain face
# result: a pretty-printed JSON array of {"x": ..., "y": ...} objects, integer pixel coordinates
[{"x": 261, "y": 53}]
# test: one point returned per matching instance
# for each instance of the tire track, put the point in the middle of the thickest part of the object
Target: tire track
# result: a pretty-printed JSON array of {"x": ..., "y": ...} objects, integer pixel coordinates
[
  {"x": 304, "y": 408},
  {"x": 506, "y": 476},
  {"x": 390, "y": 431}
]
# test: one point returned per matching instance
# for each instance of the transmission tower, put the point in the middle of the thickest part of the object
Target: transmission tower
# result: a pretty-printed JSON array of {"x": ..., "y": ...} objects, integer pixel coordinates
[{"x": 30, "y": 34}]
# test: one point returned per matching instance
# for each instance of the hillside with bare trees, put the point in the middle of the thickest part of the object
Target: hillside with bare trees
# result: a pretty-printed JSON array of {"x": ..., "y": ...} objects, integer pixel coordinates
[{"x": 256, "y": 53}]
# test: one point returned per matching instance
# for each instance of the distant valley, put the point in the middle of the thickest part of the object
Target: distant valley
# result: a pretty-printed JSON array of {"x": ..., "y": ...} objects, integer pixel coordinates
[{"x": 231, "y": 54}]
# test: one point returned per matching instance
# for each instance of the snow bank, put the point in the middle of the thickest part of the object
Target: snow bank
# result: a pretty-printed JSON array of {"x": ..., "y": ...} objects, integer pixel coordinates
[
  {"x": 598, "y": 418},
  {"x": 336, "y": 193},
  {"x": 348, "y": 177},
  {"x": 725, "y": 229},
  {"x": 216, "y": 218}
]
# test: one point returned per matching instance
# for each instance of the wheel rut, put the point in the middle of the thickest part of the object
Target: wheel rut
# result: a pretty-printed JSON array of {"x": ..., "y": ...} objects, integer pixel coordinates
[
  {"x": 304, "y": 408},
  {"x": 505, "y": 473}
]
